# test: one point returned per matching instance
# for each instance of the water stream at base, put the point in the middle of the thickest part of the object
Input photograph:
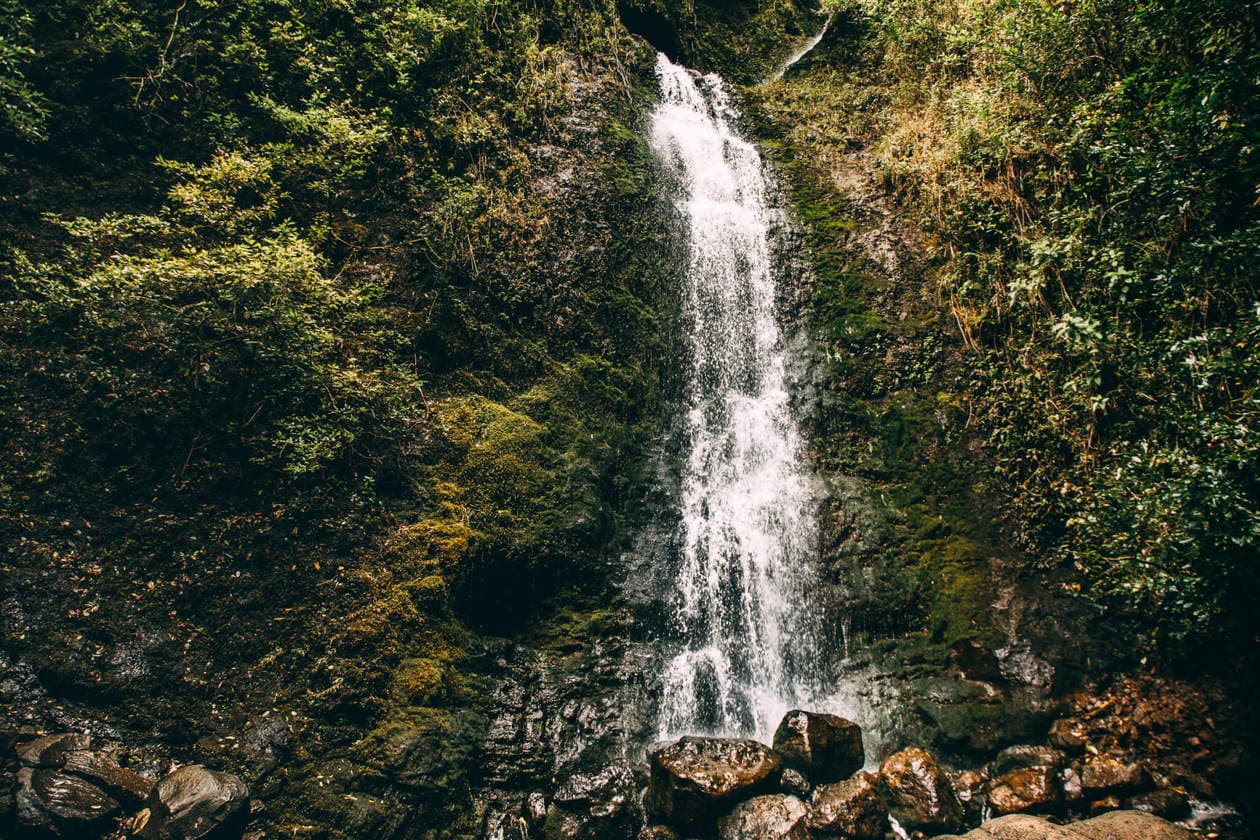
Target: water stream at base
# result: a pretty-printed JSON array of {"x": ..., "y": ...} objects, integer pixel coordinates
[{"x": 744, "y": 633}]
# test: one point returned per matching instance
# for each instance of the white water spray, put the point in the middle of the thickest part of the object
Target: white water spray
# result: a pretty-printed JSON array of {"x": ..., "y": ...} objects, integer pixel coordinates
[{"x": 741, "y": 622}]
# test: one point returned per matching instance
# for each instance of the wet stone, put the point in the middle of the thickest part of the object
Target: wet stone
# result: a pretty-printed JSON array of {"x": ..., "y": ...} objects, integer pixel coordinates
[
  {"x": 694, "y": 781},
  {"x": 850, "y": 809},
  {"x": 826, "y": 748},
  {"x": 51, "y": 750},
  {"x": 61, "y": 803},
  {"x": 773, "y": 817},
  {"x": 193, "y": 802},
  {"x": 1104, "y": 775},
  {"x": 917, "y": 793},
  {"x": 1033, "y": 789}
]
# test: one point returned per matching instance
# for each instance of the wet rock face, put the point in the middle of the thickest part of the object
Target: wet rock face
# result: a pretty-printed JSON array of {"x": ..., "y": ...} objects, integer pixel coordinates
[
  {"x": 193, "y": 802},
  {"x": 917, "y": 793},
  {"x": 826, "y": 748},
  {"x": 772, "y": 817},
  {"x": 694, "y": 781},
  {"x": 1034, "y": 789},
  {"x": 849, "y": 809}
]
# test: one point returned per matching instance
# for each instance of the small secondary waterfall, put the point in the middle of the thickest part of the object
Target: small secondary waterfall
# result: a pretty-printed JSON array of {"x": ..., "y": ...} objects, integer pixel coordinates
[{"x": 740, "y": 619}]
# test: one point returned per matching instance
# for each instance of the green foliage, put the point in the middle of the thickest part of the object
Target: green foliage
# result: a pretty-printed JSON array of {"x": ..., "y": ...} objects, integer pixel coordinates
[{"x": 1089, "y": 176}]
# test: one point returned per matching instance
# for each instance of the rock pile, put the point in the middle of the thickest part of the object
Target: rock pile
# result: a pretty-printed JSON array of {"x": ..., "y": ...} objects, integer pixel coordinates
[
  {"x": 70, "y": 786},
  {"x": 811, "y": 785}
]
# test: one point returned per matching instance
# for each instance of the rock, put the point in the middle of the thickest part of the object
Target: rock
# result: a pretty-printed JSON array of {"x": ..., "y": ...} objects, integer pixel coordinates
[
  {"x": 917, "y": 793},
  {"x": 794, "y": 782},
  {"x": 1103, "y": 775},
  {"x": 130, "y": 788},
  {"x": 773, "y": 817},
  {"x": 1028, "y": 789},
  {"x": 657, "y": 832},
  {"x": 51, "y": 750},
  {"x": 696, "y": 780},
  {"x": 1167, "y": 803},
  {"x": 1018, "y": 827},
  {"x": 969, "y": 787},
  {"x": 1107, "y": 803},
  {"x": 1065, "y": 735},
  {"x": 61, "y": 803},
  {"x": 1129, "y": 825},
  {"x": 851, "y": 809},
  {"x": 826, "y": 748},
  {"x": 974, "y": 660},
  {"x": 1119, "y": 825},
  {"x": 193, "y": 802},
  {"x": 1024, "y": 756}
]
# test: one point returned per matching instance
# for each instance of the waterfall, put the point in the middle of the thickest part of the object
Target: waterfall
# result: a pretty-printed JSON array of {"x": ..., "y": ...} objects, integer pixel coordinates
[{"x": 741, "y": 625}]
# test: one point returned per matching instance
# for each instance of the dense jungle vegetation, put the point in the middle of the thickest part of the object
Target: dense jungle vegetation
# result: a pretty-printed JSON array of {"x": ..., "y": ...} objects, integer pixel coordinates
[{"x": 334, "y": 333}]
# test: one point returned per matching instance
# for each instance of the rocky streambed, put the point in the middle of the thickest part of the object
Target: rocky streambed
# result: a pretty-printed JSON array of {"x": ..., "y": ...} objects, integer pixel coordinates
[{"x": 811, "y": 783}]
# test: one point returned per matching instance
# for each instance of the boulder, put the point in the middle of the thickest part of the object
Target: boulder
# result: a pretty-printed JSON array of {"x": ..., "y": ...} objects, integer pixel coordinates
[
  {"x": 826, "y": 748},
  {"x": 51, "y": 750},
  {"x": 1017, "y": 827},
  {"x": 773, "y": 817},
  {"x": 99, "y": 767},
  {"x": 850, "y": 809},
  {"x": 917, "y": 793},
  {"x": 1167, "y": 803},
  {"x": 1129, "y": 825},
  {"x": 696, "y": 780},
  {"x": 61, "y": 803},
  {"x": 193, "y": 802},
  {"x": 1028, "y": 789},
  {"x": 1104, "y": 775},
  {"x": 1024, "y": 756},
  {"x": 1119, "y": 825}
]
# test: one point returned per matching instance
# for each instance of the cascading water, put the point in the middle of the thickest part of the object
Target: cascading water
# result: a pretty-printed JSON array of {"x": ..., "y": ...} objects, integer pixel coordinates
[{"x": 743, "y": 629}]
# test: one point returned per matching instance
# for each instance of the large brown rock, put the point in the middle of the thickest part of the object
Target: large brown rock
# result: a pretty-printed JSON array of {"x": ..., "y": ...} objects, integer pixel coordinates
[
  {"x": 100, "y": 768},
  {"x": 1030, "y": 789},
  {"x": 773, "y": 817},
  {"x": 850, "y": 809},
  {"x": 51, "y": 750},
  {"x": 826, "y": 748},
  {"x": 1118, "y": 825},
  {"x": 193, "y": 802},
  {"x": 1129, "y": 825},
  {"x": 1104, "y": 775},
  {"x": 61, "y": 804},
  {"x": 917, "y": 793},
  {"x": 696, "y": 780}
]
